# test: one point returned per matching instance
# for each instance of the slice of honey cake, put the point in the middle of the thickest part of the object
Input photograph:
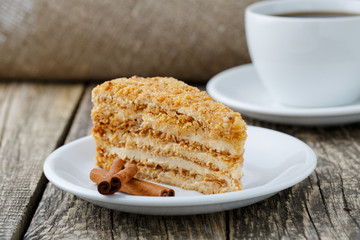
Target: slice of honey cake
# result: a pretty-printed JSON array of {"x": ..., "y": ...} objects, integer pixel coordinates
[{"x": 175, "y": 133}]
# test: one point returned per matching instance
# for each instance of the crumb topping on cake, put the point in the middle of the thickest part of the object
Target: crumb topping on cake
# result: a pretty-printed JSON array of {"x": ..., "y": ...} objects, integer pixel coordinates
[{"x": 170, "y": 93}]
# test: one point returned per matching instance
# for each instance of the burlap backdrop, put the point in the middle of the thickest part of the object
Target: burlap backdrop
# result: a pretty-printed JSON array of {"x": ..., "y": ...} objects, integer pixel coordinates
[{"x": 103, "y": 39}]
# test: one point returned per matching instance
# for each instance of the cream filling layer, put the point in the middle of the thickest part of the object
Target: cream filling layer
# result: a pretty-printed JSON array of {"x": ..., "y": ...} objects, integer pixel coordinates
[
  {"x": 188, "y": 182},
  {"x": 166, "y": 162},
  {"x": 231, "y": 167},
  {"x": 191, "y": 136},
  {"x": 148, "y": 121}
]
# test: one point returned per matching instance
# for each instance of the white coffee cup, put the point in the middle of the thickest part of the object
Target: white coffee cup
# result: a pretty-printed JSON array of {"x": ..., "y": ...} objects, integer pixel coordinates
[{"x": 306, "y": 62}]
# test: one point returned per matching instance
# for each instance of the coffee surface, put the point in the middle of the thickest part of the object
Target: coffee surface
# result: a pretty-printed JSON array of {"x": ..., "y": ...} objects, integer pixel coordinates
[{"x": 317, "y": 14}]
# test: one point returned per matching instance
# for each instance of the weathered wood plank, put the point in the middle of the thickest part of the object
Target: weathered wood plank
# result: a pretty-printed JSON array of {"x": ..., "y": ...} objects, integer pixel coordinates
[
  {"x": 338, "y": 178},
  {"x": 325, "y": 206},
  {"x": 33, "y": 118},
  {"x": 205, "y": 226},
  {"x": 62, "y": 215}
]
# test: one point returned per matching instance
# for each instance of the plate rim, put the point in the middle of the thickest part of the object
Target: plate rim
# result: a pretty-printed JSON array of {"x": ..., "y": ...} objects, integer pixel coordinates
[
  {"x": 345, "y": 110},
  {"x": 201, "y": 200}
]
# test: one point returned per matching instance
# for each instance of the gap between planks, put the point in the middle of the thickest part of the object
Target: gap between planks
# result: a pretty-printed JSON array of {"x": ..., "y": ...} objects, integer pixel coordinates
[{"x": 40, "y": 188}]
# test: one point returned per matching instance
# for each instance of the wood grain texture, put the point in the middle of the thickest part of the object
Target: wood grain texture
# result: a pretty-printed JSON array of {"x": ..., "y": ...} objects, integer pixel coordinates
[
  {"x": 33, "y": 118},
  {"x": 324, "y": 206},
  {"x": 63, "y": 215}
]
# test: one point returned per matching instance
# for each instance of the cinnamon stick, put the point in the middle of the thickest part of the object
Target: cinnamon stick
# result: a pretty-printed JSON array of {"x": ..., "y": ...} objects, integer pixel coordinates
[
  {"x": 143, "y": 188},
  {"x": 97, "y": 175},
  {"x": 135, "y": 186},
  {"x": 106, "y": 187},
  {"x": 124, "y": 175}
]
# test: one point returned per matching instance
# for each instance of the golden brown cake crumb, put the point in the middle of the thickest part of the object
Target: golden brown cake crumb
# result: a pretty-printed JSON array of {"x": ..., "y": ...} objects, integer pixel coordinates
[{"x": 175, "y": 133}]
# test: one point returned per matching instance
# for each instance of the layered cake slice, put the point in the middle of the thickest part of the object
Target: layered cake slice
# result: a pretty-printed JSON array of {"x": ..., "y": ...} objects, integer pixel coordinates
[{"x": 175, "y": 133}]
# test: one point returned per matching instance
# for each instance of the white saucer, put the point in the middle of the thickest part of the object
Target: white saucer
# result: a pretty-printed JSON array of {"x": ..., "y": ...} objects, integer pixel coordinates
[
  {"x": 241, "y": 89},
  {"x": 273, "y": 161}
]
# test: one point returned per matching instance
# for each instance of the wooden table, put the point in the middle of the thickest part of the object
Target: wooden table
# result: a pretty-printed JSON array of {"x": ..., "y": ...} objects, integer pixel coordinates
[{"x": 36, "y": 118}]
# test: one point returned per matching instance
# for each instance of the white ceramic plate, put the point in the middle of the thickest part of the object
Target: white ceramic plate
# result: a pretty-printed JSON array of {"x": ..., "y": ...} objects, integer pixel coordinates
[
  {"x": 273, "y": 161},
  {"x": 241, "y": 89}
]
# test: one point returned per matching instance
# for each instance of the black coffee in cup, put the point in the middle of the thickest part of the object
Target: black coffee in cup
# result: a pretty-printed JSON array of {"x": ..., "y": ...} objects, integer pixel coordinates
[{"x": 317, "y": 14}]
